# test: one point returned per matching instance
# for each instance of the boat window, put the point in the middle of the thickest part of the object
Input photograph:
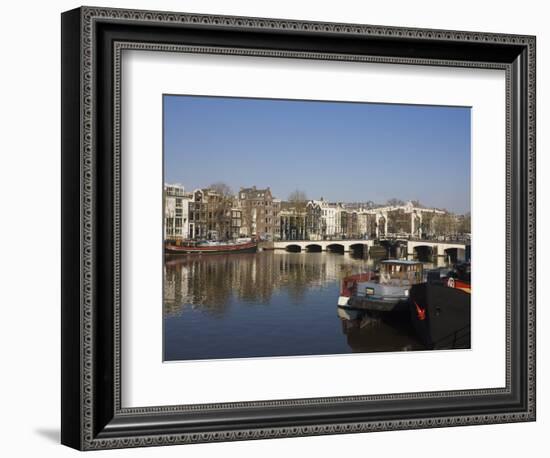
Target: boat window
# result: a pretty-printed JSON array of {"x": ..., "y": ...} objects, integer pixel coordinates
[{"x": 400, "y": 274}]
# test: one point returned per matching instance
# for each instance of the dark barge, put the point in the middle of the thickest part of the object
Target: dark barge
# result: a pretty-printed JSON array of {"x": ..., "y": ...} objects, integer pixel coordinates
[{"x": 440, "y": 310}]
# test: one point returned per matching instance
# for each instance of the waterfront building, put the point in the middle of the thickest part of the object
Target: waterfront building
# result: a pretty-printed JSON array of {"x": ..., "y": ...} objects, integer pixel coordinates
[
  {"x": 277, "y": 219},
  {"x": 340, "y": 218},
  {"x": 236, "y": 220},
  {"x": 325, "y": 219},
  {"x": 292, "y": 218},
  {"x": 260, "y": 215},
  {"x": 331, "y": 218},
  {"x": 315, "y": 224},
  {"x": 210, "y": 215},
  {"x": 176, "y": 212},
  {"x": 198, "y": 211},
  {"x": 366, "y": 222},
  {"x": 345, "y": 224},
  {"x": 214, "y": 214}
]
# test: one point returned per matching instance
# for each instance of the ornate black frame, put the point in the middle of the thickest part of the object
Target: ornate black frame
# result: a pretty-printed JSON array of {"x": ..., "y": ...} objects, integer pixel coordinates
[{"x": 92, "y": 40}]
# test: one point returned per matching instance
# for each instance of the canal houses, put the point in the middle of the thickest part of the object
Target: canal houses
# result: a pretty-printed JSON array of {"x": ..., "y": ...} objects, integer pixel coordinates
[
  {"x": 236, "y": 220},
  {"x": 315, "y": 223},
  {"x": 198, "y": 211},
  {"x": 210, "y": 215},
  {"x": 260, "y": 212},
  {"x": 324, "y": 219},
  {"x": 215, "y": 213},
  {"x": 331, "y": 218},
  {"x": 293, "y": 221}
]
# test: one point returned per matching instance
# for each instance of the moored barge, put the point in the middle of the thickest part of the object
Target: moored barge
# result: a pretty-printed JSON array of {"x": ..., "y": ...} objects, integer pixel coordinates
[
  {"x": 209, "y": 247},
  {"x": 440, "y": 310},
  {"x": 384, "y": 291}
]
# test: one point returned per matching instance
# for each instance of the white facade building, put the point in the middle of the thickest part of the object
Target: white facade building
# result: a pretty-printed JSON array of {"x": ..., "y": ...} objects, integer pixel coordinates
[
  {"x": 331, "y": 215},
  {"x": 176, "y": 212},
  {"x": 331, "y": 218}
]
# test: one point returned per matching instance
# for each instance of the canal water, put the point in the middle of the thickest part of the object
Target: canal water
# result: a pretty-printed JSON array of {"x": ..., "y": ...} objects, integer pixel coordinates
[{"x": 264, "y": 304}]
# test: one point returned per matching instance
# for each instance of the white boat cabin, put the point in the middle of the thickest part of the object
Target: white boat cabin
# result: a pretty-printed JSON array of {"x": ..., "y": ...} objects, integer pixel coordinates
[{"x": 400, "y": 272}]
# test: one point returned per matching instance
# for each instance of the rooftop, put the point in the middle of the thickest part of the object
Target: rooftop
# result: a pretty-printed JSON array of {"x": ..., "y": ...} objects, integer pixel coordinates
[{"x": 254, "y": 192}]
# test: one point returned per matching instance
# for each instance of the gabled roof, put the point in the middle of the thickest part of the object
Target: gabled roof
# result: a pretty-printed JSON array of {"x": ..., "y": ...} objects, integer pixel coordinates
[{"x": 254, "y": 193}]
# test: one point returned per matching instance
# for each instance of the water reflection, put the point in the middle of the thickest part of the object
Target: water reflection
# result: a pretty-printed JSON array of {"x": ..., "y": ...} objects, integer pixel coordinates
[
  {"x": 211, "y": 282},
  {"x": 266, "y": 304},
  {"x": 378, "y": 335}
]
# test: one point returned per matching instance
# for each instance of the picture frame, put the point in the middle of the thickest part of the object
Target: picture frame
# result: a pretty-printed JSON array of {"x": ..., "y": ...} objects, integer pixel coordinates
[{"x": 93, "y": 416}]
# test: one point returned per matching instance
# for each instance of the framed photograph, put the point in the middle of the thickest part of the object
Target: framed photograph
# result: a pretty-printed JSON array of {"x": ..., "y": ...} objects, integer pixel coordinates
[{"x": 276, "y": 228}]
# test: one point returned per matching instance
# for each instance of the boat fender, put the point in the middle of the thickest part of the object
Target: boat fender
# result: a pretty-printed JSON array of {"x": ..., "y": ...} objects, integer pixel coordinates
[
  {"x": 420, "y": 312},
  {"x": 451, "y": 282}
]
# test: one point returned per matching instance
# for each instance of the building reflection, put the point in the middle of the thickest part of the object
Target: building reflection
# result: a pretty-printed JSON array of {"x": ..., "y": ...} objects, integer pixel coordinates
[{"x": 211, "y": 283}]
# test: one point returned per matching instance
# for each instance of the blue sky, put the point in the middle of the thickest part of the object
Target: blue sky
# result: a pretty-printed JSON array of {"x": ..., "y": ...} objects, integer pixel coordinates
[{"x": 340, "y": 151}]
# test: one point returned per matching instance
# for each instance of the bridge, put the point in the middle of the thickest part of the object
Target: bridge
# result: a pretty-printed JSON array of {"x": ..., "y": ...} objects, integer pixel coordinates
[
  {"x": 335, "y": 246},
  {"x": 419, "y": 249}
]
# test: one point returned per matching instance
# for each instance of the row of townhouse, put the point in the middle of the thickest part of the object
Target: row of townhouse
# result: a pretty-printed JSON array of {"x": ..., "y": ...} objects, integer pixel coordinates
[
  {"x": 322, "y": 220},
  {"x": 253, "y": 212},
  {"x": 210, "y": 214}
]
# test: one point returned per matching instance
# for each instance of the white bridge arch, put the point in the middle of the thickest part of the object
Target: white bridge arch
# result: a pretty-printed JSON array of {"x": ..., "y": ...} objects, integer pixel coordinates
[
  {"x": 325, "y": 245},
  {"x": 436, "y": 248}
]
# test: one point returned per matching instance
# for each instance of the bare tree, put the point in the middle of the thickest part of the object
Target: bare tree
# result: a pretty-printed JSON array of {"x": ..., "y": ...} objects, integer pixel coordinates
[
  {"x": 222, "y": 188},
  {"x": 398, "y": 221},
  {"x": 445, "y": 225},
  {"x": 465, "y": 224},
  {"x": 298, "y": 199},
  {"x": 395, "y": 202},
  {"x": 297, "y": 196}
]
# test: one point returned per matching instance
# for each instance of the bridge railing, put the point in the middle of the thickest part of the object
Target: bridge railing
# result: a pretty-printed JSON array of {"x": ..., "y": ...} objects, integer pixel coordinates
[
  {"x": 388, "y": 238},
  {"x": 324, "y": 241},
  {"x": 442, "y": 240}
]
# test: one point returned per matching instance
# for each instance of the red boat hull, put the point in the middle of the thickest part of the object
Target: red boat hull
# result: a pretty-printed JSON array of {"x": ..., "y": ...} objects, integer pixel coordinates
[{"x": 249, "y": 247}]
